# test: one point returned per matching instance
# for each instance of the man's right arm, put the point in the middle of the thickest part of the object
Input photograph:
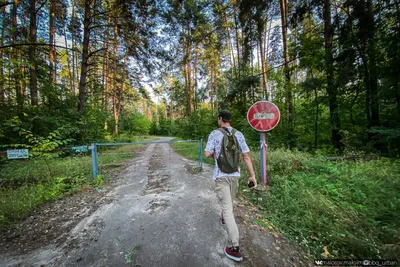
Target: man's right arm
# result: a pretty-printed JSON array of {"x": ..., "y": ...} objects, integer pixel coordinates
[{"x": 209, "y": 150}]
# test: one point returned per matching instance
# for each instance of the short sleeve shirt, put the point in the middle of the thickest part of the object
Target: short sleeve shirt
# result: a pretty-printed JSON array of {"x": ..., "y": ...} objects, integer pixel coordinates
[{"x": 214, "y": 146}]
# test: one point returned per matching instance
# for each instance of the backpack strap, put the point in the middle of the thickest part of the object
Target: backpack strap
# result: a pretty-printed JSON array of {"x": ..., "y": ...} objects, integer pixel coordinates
[{"x": 225, "y": 130}]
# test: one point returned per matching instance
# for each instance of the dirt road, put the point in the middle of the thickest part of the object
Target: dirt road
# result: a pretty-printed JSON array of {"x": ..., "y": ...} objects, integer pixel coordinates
[{"x": 159, "y": 212}]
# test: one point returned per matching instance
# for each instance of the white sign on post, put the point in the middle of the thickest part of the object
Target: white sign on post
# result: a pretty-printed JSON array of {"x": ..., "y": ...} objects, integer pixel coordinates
[{"x": 17, "y": 154}]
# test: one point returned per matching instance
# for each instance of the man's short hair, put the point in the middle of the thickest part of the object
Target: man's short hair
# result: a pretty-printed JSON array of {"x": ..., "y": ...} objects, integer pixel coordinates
[{"x": 225, "y": 115}]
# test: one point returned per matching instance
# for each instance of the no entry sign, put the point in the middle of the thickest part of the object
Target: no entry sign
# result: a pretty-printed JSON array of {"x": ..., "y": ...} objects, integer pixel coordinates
[{"x": 263, "y": 116}]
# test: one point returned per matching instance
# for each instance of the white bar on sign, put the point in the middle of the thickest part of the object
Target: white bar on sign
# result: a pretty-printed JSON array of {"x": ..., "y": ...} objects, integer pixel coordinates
[{"x": 264, "y": 116}]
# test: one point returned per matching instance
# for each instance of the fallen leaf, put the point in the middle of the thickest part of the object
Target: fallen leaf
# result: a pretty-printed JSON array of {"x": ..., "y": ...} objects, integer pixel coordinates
[{"x": 326, "y": 252}]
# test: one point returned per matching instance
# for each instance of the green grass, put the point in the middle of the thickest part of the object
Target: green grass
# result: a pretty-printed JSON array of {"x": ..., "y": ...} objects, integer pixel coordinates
[
  {"x": 349, "y": 209},
  {"x": 25, "y": 185},
  {"x": 190, "y": 151}
]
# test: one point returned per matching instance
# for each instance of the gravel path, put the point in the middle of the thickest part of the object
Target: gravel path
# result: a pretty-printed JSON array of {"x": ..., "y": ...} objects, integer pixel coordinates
[{"x": 159, "y": 212}]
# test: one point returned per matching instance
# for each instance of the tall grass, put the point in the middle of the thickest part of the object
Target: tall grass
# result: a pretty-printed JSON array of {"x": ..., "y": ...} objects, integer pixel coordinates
[
  {"x": 332, "y": 209},
  {"x": 27, "y": 185},
  {"x": 343, "y": 209}
]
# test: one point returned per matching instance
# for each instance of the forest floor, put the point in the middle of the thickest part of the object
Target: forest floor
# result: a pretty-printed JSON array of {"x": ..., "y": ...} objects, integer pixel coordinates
[{"x": 158, "y": 211}]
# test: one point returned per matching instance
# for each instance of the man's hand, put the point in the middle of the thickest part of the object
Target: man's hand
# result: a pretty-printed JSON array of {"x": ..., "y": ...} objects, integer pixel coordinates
[
  {"x": 252, "y": 179},
  {"x": 209, "y": 154},
  {"x": 249, "y": 165}
]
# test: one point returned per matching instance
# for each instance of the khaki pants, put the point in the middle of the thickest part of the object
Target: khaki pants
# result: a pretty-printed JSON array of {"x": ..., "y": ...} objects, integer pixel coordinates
[{"x": 226, "y": 188}]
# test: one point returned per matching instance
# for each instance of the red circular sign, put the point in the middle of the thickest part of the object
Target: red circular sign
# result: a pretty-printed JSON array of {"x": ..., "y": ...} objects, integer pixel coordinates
[{"x": 263, "y": 116}]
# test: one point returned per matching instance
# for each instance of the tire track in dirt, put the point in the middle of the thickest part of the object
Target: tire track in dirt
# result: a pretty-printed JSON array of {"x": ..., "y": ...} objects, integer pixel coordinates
[{"x": 157, "y": 180}]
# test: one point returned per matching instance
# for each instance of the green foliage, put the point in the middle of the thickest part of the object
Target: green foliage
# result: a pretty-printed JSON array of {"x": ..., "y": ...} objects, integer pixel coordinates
[
  {"x": 350, "y": 209},
  {"x": 39, "y": 146},
  {"x": 135, "y": 123},
  {"x": 198, "y": 125},
  {"x": 62, "y": 120},
  {"x": 389, "y": 137}
]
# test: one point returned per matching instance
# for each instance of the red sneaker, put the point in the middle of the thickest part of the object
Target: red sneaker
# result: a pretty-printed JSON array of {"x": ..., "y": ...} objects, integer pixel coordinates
[{"x": 232, "y": 254}]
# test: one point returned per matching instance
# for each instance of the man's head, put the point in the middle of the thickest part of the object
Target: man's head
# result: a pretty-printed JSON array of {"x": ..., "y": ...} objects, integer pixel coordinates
[{"x": 224, "y": 117}]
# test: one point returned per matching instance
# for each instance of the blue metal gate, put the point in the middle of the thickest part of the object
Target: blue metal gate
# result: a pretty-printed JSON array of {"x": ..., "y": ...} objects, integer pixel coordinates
[{"x": 95, "y": 146}]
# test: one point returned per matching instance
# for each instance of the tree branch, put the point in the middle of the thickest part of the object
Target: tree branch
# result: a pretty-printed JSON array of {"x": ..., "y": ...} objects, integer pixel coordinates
[
  {"x": 37, "y": 10},
  {"x": 101, "y": 25},
  {"x": 4, "y": 4},
  {"x": 95, "y": 52},
  {"x": 36, "y": 44}
]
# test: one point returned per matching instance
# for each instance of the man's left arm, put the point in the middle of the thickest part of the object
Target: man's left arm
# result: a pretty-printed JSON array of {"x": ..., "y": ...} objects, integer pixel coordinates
[
  {"x": 249, "y": 165},
  {"x": 247, "y": 159}
]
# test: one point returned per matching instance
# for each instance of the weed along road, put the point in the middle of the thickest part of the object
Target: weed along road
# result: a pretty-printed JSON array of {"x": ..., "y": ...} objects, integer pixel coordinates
[{"x": 161, "y": 212}]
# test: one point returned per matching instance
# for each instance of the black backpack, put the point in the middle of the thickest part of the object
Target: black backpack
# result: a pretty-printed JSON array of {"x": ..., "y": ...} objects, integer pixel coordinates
[{"x": 229, "y": 157}]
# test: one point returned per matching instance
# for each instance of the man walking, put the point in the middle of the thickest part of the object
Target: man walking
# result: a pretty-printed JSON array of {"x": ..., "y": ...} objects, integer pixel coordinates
[{"x": 226, "y": 183}]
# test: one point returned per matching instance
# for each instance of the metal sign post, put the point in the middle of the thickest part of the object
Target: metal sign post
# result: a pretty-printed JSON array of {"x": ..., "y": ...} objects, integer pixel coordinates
[
  {"x": 263, "y": 116},
  {"x": 263, "y": 158}
]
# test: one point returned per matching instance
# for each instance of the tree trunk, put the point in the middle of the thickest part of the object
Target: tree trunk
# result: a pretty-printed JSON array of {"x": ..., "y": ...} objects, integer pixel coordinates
[
  {"x": 2, "y": 78},
  {"x": 288, "y": 88},
  {"x": 106, "y": 68},
  {"x": 121, "y": 91},
  {"x": 231, "y": 55},
  {"x": 51, "y": 40},
  {"x": 32, "y": 54},
  {"x": 266, "y": 45},
  {"x": 214, "y": 87},
  {"x": 373, "y": 77},
  {"x": 188, "y": 73},
  {"x": 211, "y": 90},
  {"x": 397, "y": 59},
  {"x": 237, "y": 40},
  {"x": 71, "y": 81},
  {"x": 73, "y": 44},
  {"x": 333, "y": 105},
  {"x": 75, "y": 69},
  {"x": 23, "y": 76},
  {"x": 85, "y": 57},
  {"x": 17, "y": 73},
  {"x": 264, "y": 73},
  {"x": 115, "y": 89},
  {"x": 316, "y": 114},
  {"x": 195, "y": 78}
]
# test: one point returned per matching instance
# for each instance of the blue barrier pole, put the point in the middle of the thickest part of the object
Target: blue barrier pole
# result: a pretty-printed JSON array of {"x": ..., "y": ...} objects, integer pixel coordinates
[
  {"x": 144, "y": 143},
  {"x": 94, "y": 161},
  {"x": 201, "y": 154}
]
